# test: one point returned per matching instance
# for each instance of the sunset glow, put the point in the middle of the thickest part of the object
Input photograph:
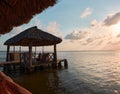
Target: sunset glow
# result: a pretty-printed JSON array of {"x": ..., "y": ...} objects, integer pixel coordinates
[
  {"x": 116, "y": 29},
  {"x": 85, "y": 26}
]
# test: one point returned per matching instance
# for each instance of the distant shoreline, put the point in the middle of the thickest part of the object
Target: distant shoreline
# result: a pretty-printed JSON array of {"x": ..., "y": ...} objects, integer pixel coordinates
[{"x": 71, "y": 50}]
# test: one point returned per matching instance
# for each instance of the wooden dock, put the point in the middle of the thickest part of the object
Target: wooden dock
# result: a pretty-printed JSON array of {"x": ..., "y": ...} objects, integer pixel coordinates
[
  {"x": 60, "y": 61},
  {"x": 9, "y": 65},
  {"x": 9, "y": 62},
  {"x": 13, "y": 65}
]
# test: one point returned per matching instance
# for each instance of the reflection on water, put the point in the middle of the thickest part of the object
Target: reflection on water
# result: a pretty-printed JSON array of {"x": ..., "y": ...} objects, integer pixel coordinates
[
  {"x": 94, "y": 72},
  {"x": 40, "y": 82},
  {"x": 90, "y": 72}
]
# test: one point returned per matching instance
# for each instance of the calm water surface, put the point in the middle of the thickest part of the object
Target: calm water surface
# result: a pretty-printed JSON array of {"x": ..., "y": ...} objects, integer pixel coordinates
[{"x": 89, "y": 72}]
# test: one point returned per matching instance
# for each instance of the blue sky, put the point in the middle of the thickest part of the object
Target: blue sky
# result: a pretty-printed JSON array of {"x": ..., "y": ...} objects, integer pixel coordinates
[{"x": 86, "y": 24}]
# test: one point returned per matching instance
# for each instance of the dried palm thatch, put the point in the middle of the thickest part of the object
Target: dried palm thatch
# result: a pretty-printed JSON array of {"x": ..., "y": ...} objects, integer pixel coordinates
[
  {"x": 33, "y": 36},
  {"x": 17, "y": 12}
]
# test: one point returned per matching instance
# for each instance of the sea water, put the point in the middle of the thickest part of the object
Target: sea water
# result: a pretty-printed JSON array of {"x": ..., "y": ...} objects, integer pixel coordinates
[{"x": 89, "y": 72}]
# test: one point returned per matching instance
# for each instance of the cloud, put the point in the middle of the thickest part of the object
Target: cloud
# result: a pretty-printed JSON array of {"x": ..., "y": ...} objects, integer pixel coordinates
[
  {"x": 38, "y": 23},
  {"x": 89, "y": 40},
  {"x": 112, "y": 19},
  {"x": 95, "y": 23},
  {"x": 96, "y": 37},
  {"x": 53, "y": 28},
  {"x": 118, "y": 35},
  {"x": 86, "y": 13},
  {"x": 15, "y": 31},
  {"x": 76, "y": 35},
  {"x": 21, "y": 28}
]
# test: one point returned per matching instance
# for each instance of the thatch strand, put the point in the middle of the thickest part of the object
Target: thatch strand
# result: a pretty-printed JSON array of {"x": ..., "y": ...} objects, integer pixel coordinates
[{"x": 17, "y": 12}]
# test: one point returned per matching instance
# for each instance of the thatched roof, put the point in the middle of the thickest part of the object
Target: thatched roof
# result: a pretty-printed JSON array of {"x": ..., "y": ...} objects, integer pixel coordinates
[
  {"x": 17, "y": 12},
  {"x": 33, "y": 36}
]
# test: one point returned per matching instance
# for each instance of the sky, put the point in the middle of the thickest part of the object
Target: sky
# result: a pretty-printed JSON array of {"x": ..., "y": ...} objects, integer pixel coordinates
[{"x": 82, "y": 24}]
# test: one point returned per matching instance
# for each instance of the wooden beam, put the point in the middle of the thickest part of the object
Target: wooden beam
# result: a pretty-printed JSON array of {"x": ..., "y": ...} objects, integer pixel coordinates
[
  {"x": 14, "y": 49},
  {"x": 20, "y": 54},
  {"x": 7, "y": 54},
  {"x": 30, "y": 55},
  {"x": 55, "y": 54}
]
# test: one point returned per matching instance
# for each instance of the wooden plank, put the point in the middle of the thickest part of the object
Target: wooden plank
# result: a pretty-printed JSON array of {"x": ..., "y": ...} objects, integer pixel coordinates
[{"x": 9, "y": 62}]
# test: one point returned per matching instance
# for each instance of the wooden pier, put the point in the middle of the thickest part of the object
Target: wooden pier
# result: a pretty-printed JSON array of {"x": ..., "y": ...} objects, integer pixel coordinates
[
  {"x": 60, "y": 61},
  {"x": 21, "y": 61},
  {"x": 33, "y": 37},
  {"x": 9, "y": 62},
  {"x": 13, "y": 65},
  {"x": 9, "y": 65}
]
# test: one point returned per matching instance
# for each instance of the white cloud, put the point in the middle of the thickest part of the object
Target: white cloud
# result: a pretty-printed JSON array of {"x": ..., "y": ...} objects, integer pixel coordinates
[
  {"x": 38, "y": 23},
  {"x": 15, "y": 31},
  {"x": 112, "y": 19},
  {"x": 95, "y": 23},
  {"x": 86, "y": 13},
  {"x": 96, "y": 37},
  {"x": 53, "y": 28},
  {"x": 21, "y": 28}
]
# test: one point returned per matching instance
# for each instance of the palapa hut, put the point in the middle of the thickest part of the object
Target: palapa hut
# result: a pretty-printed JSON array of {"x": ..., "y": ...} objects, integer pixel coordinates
[
  {"x": 14, "y": 13},
  {"x": 17, "y": 12},
  {"x": 33, "y": 37}
]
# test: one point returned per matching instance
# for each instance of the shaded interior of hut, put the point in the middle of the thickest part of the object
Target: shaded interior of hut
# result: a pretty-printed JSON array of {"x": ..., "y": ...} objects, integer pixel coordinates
[{"x": 38, "y": 57}]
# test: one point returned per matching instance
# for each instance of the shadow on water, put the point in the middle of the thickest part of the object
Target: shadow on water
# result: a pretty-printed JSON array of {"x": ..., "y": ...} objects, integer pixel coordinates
[
  {"x": 40, "y": 82},
  {"x": 51, "y": 82}
]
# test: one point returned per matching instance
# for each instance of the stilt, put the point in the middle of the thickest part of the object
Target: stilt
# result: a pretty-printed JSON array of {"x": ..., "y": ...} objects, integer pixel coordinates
[
  {"x": 54, "y": 64},
  {"x": 59, "y": 63},
  {"x": 30, "y": 57},
  {"x": 65, "y": 63},
  {"x": 5, "y": 67}
]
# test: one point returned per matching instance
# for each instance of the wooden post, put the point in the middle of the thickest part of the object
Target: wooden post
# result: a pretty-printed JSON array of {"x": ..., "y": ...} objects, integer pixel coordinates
[
  {"x": 30, "y": 55},
  {"x": 65, "y": 63},
  {"x": 20, "y": 54},
  {"x": 14, "y": 49},
  {"x": 42, "y": 49},
  {"x": 7, "y": 54},
  {"x": 7, "y": 58},
  {"x": 35, "y": 52},
  {"x": 55, "y": 54},
  {"x": 35, "y": 49}
]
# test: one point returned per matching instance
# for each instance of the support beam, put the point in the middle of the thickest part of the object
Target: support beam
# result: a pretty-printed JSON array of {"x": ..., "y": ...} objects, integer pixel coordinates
[
  {"x": 7, "y": 54},
  {"x": 20, "y": 54},
  {"x": 30, "y": 55},
  {"x": 55, "y": 54},
  {"x": 6, "y": 67},
  {"x": 35, "y": 52},
  {"x": 14, "y": 49}
]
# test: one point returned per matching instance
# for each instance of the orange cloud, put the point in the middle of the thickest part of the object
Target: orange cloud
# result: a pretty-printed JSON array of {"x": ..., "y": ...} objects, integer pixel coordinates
[{"x": 112, "y": 19}]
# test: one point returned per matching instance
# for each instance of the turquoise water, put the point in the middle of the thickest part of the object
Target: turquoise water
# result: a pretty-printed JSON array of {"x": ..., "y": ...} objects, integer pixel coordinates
[{"x": 89, "y": 72}]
